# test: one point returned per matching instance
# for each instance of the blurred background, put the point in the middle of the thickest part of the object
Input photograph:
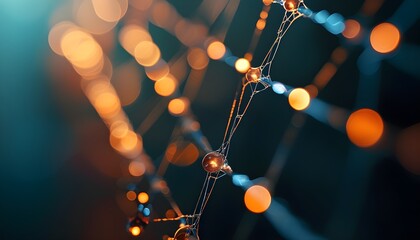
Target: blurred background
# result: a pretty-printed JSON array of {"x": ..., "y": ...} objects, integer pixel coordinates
[{"x": 98, "y": 98}]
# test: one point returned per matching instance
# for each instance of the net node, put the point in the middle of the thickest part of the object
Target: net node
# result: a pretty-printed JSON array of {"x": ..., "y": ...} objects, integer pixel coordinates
[
  {"x": 213, "y": 162},
  {"x": 291, "y": 5},
  {"x": 184, "y": 233},
  {"x": 253, "y": 75}
]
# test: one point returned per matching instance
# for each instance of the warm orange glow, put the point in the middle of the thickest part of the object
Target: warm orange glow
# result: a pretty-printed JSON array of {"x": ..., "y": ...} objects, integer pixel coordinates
[
  {"x": 158, "y": 71},
  {"x": 290, "y": 5},
  {"x": 136, "y": 168},
  {"x": 106, "y": 104},
  {"x": 166, "y": 86},
  {"x": 81, "y": 49},
  {"x": 257, "y": 199},
  {"x": 119, "y": 128},
  {"x": 131, "y": 35},
  {"x": 339, "y": 55},
  {"x": 182, "y": 153},
  {"x": 110, "y": 10},
  {"x": 178, "y": 106},
  {"x": 197, "y": 58},
  {"x": 147, "y": 53},
  {"x": 86, "y": 17},
  {"x": 385, "y": 38},
  {"x": 325, "y": 74},
  {"x": 163, "y": 15},
  {"x": 242, "y": 65},
  {"x": 129, "y": 141},
  {"x": 312, "y": 90},
  {"x": 143, "y": 197},
  {"x": 364, "y": 127},
  {"x": 352, "y": 29},
  {"x": 135, "y": 231},
  {"x": 131, "y": 195},
  {"x": 267, "y": 2},
  {"x": 407, "y": 149},
  {"x": 56, "y": 34},
  {"x": 216, "y": 50},
  {"x": 190, "y": 33},
  {"x": 170, "y": 213},
  {"x": 263, "y": 14},
  {"x": 260, "y": 25},
  {"x": 141, "y": 4},
  {"x": 299, "y": 99},
  {"x": 126, "y": 81}
]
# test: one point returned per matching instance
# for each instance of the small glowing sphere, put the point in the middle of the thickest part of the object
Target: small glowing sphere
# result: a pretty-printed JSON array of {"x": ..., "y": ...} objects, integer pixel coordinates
[
  {"x": 131, "y": 195},
  {"x": 135, "y": 231},
  {"x": 143, "y": 197},
  {"x": 213, "y": 162},
  {"x": 216, "y": 50},
  {"x": 257, "y": 199},
  {"x": 253, "y": 75},
  {"x": 166, "y": 86},
  {"x": 352, "y": 29},
  {"x": 136, "y": 168},
  {"x": 242, "y": 65},
  {"x": 291, "y": 5},
  {"x": 299, "y": 99},
  {"x": 147, "y": 53},
  {"x": 364, "y": 127},
  {"x": 267, "y": 2},
  {"x": 385, "y": 38},
  {"x": 178, "y": 106}
]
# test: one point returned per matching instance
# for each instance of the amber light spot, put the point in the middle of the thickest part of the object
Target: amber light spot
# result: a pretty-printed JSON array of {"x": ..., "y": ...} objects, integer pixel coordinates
[
  {"x": 216, "y": 50},
  {"x": 136, "y": 168},
  {"x": 166, "y": 86},
  {"x": 182, "y": 153},
  {"x": 131, "y": 195},
  {"x": 260, "y": 25},
  {"x": 267, "y": 2},
  {"x": 385, "y": 38},
  {"x": 197, "y": 58},
  {"x": 257, "y": 199},
  {"x": 299, "y": 99},
  {"x": 364, "y": 127},
  {"x": 147, "y": 53},
  {"x": 131, "y": 35},
  {"x": 352, "y": 29},
  {"x": 242, "y": 65},
  {"x": 135, "y": 231},
  {"x": 143, "y": 197},
  {"x": 178, "y": 106}
]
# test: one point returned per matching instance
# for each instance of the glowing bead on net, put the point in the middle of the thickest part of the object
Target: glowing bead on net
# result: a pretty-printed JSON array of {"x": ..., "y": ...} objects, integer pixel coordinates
[
  {"x": 291, "y": 5},
  {"x": 136, "y": 225},
  {"x": 253, "y": 75},
  {"x": 213, "y": 162}
]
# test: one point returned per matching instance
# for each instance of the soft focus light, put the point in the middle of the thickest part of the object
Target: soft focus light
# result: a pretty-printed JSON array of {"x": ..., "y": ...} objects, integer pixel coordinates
[
  {"x": 131, "y": 195},
  {"x": 141, "y": 4},
  {"x": 147, "y": 53},
  {"x": 81, "y": 49},
  {"x": 352, "y": 29},
  {"x": 178, "y": 106},
  {"x": 216, "y": 50},
  {"x": 143, "y": 197},
  {"x": 106, "y": 104},
  {"x": 110, "y": 10},
  {"x": 260, "y": 25},
  {"x": 166, "y": 86},
  {"x": 131, "y": 35},
  {"x": 158, "y": 71},
  {"x": 267, "y": 2},
  {"x": 135, "y": 231},
  {"x": 136, "y": 168},
  {"x": 385, "y": 38},
  {"x": 86, "y": 17},
  {"x": 407, "y": 149},
  {"x": 278, "y": 88},
  {"x": 129, "y": 141},
  {"x": 242, "y": 65},
  {"x": 197, "y": 58},
  {"x": 364, "y": 127},
  {"x": 299, "y": 99},
  {"x": 257, "y": 199},
  {"x": 119, "y": 129},
  {"x": 56, "y": 34},
  {"x": 182, "y": 153}
]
